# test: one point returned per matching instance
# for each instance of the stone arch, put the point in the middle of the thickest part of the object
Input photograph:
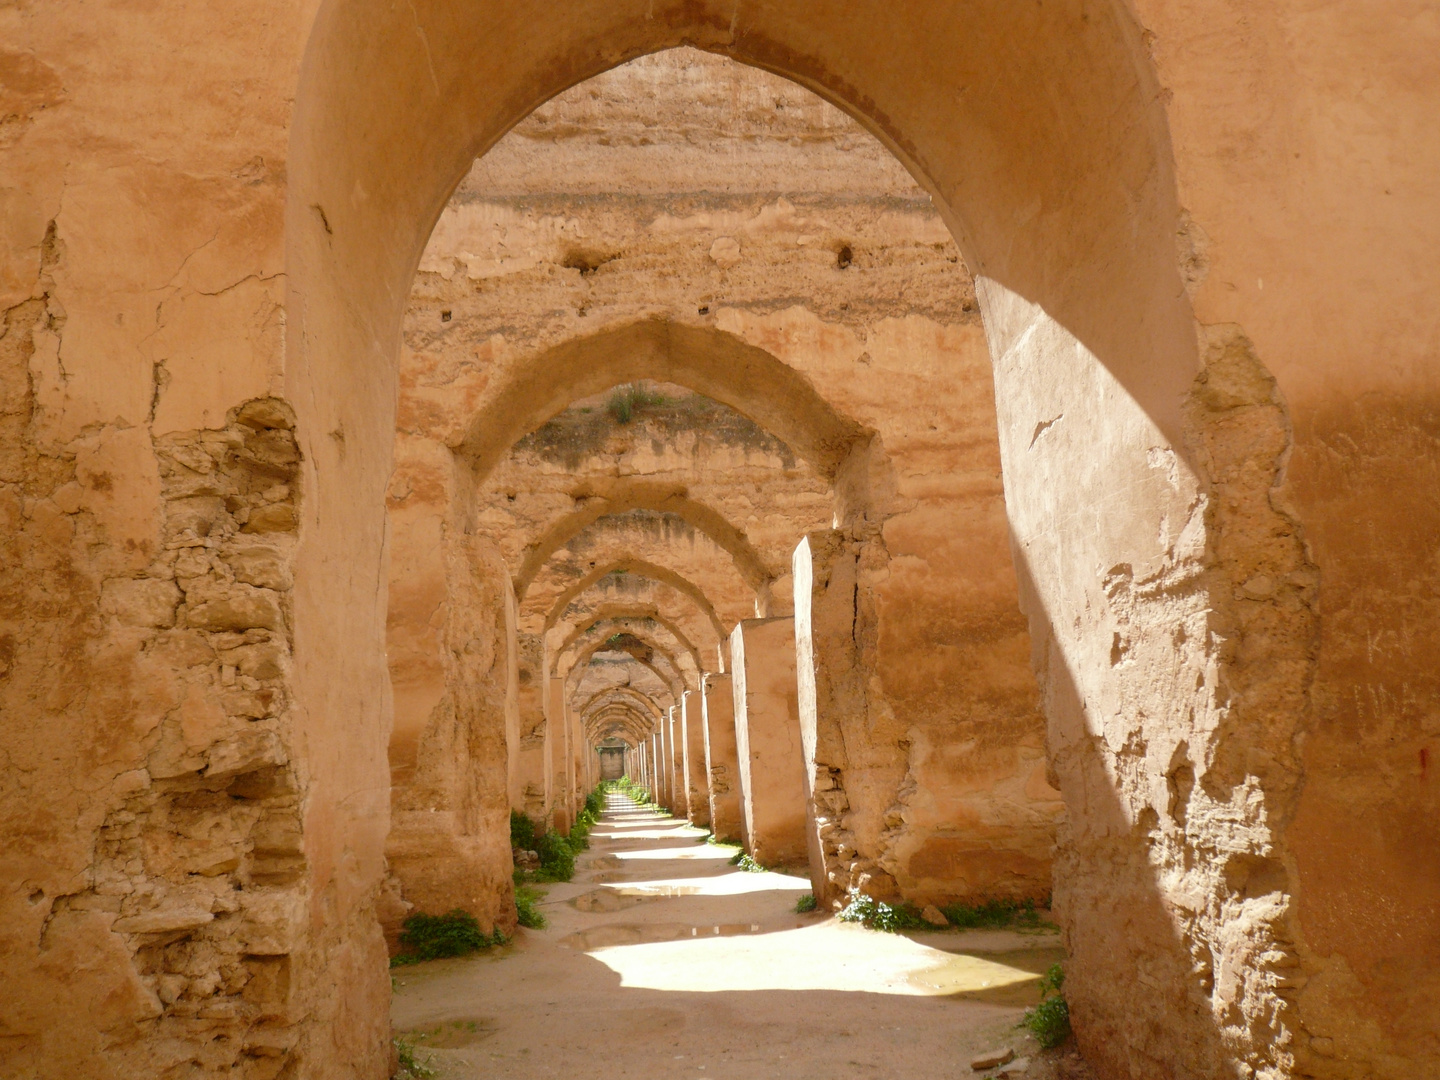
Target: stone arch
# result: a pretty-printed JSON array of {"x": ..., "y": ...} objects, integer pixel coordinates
[
  {"x": 644, "y": 569},
  {"x": 631, "y": 697},
  {"x": 623, "y": 716},
  {"x": 636, "y": 593},
  {"x": 627, "y": 494},
  {"x": 572, "y": 659},
  {"x": 628, "y": 539},
  {"x": 636, "y": 723},
  {"x": 615, "y": 724},
  {"x": 578, "y": 655},
  {"x": 705, "y": 359},
  {"x": 589, "y": 679},
  {"x": 630, "y": 617},
  {"x": 1043, "y": 137}
]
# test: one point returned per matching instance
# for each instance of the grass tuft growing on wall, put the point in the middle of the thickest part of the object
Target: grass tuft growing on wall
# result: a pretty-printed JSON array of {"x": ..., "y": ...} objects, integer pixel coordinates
[{"x": 630, "y": 399}]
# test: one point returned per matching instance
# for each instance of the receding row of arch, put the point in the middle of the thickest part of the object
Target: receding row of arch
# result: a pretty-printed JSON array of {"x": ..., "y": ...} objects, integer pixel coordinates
[{"x": 572, "y": 614}]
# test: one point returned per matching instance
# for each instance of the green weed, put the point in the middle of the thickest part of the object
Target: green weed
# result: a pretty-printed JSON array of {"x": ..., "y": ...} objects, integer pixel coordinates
[
  {"x": 580, "y": 832},
  {"x": 431, "y": 937},
  {"x": 628, "y": 787},
  {"x": 629, "y": 399},
  {"x": 994, "y": 915},
  {"x": 557, "y": 857},
  {"x": 878, "y": 915},
  {"x": 805, "y": 903},
  {"x": 746, "y": 863},
  {"x": 411, "y": 1067},
  {"x": 522, "y": 831},
  {"x": 1049, "y": 1021},
  {"x": 527, "y": 901}
]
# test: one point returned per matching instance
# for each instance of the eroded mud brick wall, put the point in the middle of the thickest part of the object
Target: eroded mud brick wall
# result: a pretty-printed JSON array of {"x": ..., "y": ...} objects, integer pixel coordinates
[{"x": 163, "y": 871}]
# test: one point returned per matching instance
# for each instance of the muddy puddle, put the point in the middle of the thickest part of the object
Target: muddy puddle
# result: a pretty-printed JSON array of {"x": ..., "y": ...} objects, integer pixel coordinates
[
  {"x": 1000, "y": 978},
  {"x": 618, "y": 899}
]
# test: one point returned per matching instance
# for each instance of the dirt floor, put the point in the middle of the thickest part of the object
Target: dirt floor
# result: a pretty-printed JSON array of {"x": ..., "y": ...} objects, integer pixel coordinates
[{"x": 660, "y": 959}]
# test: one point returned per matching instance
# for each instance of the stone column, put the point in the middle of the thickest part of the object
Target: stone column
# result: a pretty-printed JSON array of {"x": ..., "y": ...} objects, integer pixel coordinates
[
  {"x": 530, "y": 766},
  {"x": 767, "y": 737},
  {"x": 679, "y": 795},
  {"x": 559, "y": 755},
  {"x": 697, "y": 787},
  {"x": 578, "y": 750},
  {"x": 722, "y": 767},
  {"x": 667, "y": 760}
]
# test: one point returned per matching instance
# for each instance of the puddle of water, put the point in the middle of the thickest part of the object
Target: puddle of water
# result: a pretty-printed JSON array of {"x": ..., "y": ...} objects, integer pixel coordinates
[
  {"x": 615, "y": 934},
  {"x": 452, "y": 1034},
  {"x": 1006, "y": 978},
  {"x": 607, "y": 900},
  {"x": 655, "y": 892}
]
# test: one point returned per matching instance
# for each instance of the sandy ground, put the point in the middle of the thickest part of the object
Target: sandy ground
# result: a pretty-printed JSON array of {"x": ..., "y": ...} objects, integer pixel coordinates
[{"x": 661, "y": 960}]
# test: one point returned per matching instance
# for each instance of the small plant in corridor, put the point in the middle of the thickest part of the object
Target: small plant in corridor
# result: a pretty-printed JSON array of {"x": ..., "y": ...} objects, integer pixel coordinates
[
  {"x": 1049, "y": 1021},
  {"x": 805, "y": 903},
  {"x": 629, "y": 788},
  {"x": 994, "y": 915},
  {"x": 527, "y": 901},
  {"x": 432, "y": 937},
  {"x": 878, "y": 915},
  {"x": 522, "y": 831},
  {"x": 746, "y": 863},
  {"x": 411, "y": 1067},
  {"x": 557, "y": 857},
  {"x": 580, "y": 831}
]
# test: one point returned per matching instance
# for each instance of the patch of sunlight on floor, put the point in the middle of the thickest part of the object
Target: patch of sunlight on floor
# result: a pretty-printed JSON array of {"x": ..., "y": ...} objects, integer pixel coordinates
[
  {"x": 828, "y": 956},
  {"x": 736, "y": 884},
  {"x": 690, "y": 851}
]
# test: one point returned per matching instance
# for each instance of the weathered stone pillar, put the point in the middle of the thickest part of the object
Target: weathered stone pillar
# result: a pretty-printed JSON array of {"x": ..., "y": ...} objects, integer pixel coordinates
[
  {"x": 449, "y": 778},
  {"x": 697, "y": 787},
  {"x": 532, "y": 767},
  {"x": 767, "y": 737},
  {"x": 559, "y": 756},
  {"x": 679, "y": 795},
  {"x": 662, "y": 766},
  {"x": 577, "y": 760},
  {"x": 722, "y": 767}
]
